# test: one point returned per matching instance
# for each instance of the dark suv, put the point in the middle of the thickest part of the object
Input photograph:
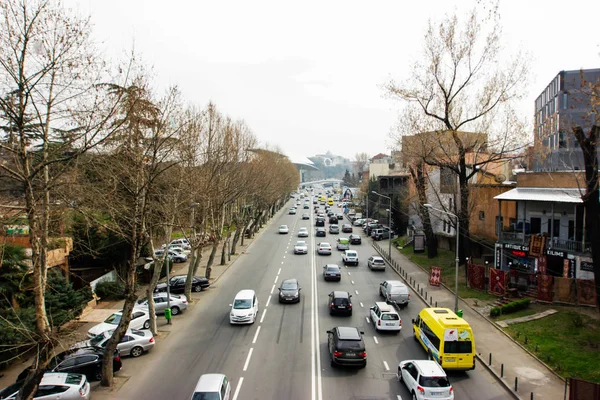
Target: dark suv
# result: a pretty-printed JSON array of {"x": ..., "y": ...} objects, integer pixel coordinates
[
  {"x": 340, "y": 303},
  {"x": 346, "y": 347},
  {"x": 321, "y": 232},
  {"x": 177, "y": 284},
  {"x": 86, "y": 361},
  {"x": 320, "y": 221}
]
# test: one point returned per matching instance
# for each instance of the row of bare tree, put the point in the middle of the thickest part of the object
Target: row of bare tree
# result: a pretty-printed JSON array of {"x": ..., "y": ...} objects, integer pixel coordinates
[{"x": 77, "y": 138}]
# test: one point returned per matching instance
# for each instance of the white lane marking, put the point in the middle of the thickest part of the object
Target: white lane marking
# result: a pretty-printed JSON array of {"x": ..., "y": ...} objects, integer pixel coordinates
[
  {"x": 256, "y": 335},
  {"x": 356, "y": 291},
  {"x": 348, "y": 272},
  {"x": 361, "y": 304},
  {"x": 368, "y": 320},
  {"x": 398, "y": 396},
  {"x": 268, "y": 301},
  {"x": 282, "y": 263},
  {"x": 272, "y": 289},
  {"x": 352, "y": 282},
  {"x": 263, "y": 316},
  {"x": 239, "y": 386},
  {"x": 277, "y": 277},
  {"x": 248, "y": 358},
  {"x": 278, "y": 272},
  {"x": 386, "y": 366},
  {"x": 375, "y": 339}
]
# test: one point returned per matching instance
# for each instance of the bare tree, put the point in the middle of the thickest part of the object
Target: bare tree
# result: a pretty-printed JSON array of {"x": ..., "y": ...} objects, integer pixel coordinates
[{"x": 459, "y": 104}]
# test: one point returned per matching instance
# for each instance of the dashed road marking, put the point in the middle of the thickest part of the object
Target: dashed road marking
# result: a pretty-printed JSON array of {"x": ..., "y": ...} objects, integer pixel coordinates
[
  {"x": 256, "y": 336},
  {"x": 275, "y": 281},
  {"x": 263, "y": 316},
  {"x": 356, "y": 291},
  {"x": 268, "y": 301},
  {"x": 361, "y": 304},
  {"x": 272, "y": 289},
  {"x": 368, "y": 320},
  {"x": 353, "y": 283},
  {"x": 386, "y": 366},
  {"x": 375, "y": 339},
  {"x": 239, "y": 386},
  {"x": 248, "y": 359},
  {"x": 278, "y": 272}
]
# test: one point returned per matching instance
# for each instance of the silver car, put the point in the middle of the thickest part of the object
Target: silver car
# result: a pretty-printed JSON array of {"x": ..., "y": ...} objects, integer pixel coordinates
[
  {"x": 134, "y": 343},
  {"x": 324, "y": 248},
  {"x": 54, "y": 385},
  {"x": 178, "y": 303},
  {"x": 301, "y": 247}
]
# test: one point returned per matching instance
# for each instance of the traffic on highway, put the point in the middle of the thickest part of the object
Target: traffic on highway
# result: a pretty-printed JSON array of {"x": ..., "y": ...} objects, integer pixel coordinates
[{"x": 288, "y": 321}]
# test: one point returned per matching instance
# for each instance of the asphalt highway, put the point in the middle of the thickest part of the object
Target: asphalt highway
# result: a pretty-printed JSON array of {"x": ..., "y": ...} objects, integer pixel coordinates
[{"x": 284, "y": 355}]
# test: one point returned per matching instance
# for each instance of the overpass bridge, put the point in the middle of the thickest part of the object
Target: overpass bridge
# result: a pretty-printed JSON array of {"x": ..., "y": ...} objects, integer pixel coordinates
[{"x": 323, "y": 182}]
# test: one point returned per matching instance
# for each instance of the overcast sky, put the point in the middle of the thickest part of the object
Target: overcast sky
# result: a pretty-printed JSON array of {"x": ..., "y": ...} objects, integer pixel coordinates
[{"x": 306, "y": 76}]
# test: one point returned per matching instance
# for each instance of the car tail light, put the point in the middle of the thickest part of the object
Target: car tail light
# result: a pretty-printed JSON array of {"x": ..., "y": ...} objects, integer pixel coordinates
[
  {"x": 118, "y": 358},
  {"x": 332, "y": 306},
  {"x": 409, "y": 296},
  {"x": 420, "y": 389},
  {"x": 451, "y": 390},
  {"x": 400, "y": 322},
  {"x": 350, "y": 306},
  {"x": 151, "y": 340},
  {"x": 363, "y": 354},
  {"x": 379, "y": 323},
  {"x": 337, "y": 353}
]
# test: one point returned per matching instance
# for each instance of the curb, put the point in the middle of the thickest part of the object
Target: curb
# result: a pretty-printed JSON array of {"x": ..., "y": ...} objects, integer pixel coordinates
[{"x": 477, "y": 357}]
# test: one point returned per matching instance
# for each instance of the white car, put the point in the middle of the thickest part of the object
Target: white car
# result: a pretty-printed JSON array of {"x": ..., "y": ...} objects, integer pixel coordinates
[
  {"x": 284, "y": 229},
  {"x": 301, "y": 247},
  {"x": 177, "y": 249},
  {"x": 385, "y": 318},
  {"x": 303, "y": 232},
  {"x": 425, "y": 379},
  {"x": 134, "y": 342},
  {"x": 140, "y": 319},
  {"x": 244, "y": 308},
  {"x": 324, "y": 248},
  {"x": 350, "y": 257},
  {"x": 376, "y": 262},
  {"x": 181, "y": 242},
  {"x": 55, "y": 385}
]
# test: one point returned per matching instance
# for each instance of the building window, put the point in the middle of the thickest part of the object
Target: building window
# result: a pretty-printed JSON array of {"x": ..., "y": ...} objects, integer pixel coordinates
[
  {"x": 444, "y": 230},
  {"x": 564, "y": 102},
  {"x": 481, "y": 215},
  {"x": 447, "y": 181}
]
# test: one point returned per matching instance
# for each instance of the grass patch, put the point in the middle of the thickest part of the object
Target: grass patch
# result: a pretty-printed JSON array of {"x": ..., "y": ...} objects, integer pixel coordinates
[
  {"x": 446, "y": 261},
  {"x": 567, "y": 341},
  {"x": 517, "y": 314}
]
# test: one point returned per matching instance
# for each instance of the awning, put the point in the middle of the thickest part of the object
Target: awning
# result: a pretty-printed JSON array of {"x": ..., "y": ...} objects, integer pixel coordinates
[{"x": 557, "y": 195}]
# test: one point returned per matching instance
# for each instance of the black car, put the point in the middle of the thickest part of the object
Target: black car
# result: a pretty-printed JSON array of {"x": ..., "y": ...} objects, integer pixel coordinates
[
  {"x": 289, "y": 291},
  {"x": 355, "y": 239},
  {"x": 320, "y": 221},
  {"x": 330, "y": 214},
  {"x": 346, "y": 347},
  {"x": 86, "y": 361},
  {"x": 333, "y": 220},
  {"x": 177, "y": 284},
  {"x": 340, "y": 216},
  {"x": 340, "y": 303},
  {"x": 347, "y": 228},
  {"x": 321, "y": 232}
]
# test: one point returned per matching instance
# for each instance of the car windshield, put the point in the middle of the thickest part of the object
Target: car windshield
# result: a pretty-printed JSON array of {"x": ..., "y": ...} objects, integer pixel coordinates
[
  {"x": 390, "y": 317},
  {"x": 333, "y": 269},
  {"x": 113, "y": 319},
  {"x": 206, "y": 396},
  {"x": 288, "y": 286},
  {"x": 350, "y": 345},
  {"x": 300, "y": 243},
  {"x": 242, "y": 304},
  {"x": 434, "y": 381},
  {"x": 351, "y": 254},
  {"x": 96, "y": 340}
]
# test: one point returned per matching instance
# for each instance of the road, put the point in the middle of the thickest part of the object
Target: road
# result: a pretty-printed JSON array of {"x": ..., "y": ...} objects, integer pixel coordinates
[{"x": 283, "y": 355}]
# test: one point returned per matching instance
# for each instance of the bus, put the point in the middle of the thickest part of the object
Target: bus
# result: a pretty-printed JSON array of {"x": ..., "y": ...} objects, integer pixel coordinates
[{"x": 446, "y": 337}]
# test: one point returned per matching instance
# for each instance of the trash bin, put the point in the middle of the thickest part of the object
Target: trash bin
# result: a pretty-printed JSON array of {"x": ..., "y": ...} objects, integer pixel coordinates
[
  {"x": 168, "y": 314},
  {"x": 458, "y": 312}
]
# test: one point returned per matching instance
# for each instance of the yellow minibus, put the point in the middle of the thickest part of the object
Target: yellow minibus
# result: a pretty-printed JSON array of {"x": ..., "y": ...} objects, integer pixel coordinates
[
  {"x": 330, "y": 201},
  {"x": 446, "y": 337}
]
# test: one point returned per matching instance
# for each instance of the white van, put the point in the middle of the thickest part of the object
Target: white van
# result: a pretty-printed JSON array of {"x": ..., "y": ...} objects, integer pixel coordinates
[
  {"x": 395, "y": 292},
  {"x": 244, "y": 308}
]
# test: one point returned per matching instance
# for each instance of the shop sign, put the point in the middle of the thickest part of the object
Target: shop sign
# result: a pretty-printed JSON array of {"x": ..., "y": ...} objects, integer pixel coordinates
[
  {"x": 517, "y": 247},
  {"x": 586, "y": 265},
  {"x": 556, "y": 253}
]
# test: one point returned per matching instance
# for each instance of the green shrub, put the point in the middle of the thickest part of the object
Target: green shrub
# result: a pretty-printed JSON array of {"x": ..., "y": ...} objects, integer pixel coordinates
[
  {"x": 108, "y": 290},
  {"x": 511, "y": 307},
  {"x": 494, "y": 312}
]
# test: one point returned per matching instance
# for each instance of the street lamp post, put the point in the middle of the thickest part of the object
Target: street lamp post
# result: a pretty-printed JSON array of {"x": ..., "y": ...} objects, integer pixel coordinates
[
  {"x": 389, "y": 224},
  {"x": 457, "y": 261}
]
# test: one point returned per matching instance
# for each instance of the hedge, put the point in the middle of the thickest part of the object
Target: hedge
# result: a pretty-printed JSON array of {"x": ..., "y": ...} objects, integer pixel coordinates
[
  {"x": 109, "y": 290},
  {"x": 511, "y": 307}
]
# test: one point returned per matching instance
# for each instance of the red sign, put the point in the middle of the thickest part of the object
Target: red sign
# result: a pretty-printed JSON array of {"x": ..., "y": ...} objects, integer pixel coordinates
[
  {"x": 497, "y": 281},
  {"x": 434, "y": 276},
  {"x": 518, "y": 253}
]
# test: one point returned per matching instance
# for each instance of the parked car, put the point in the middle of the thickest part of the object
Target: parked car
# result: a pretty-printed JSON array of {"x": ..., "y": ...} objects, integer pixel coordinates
[
  {"x": 86, "y": 361},
  {"x": 381, "y": 233},
  {"x": 54, "y": 385},
  {"x": 346, "y": 347},
  {"x": 177, "y": 284},
  {"x": 358, "y": 222},
  {"x": 376, "y": 262},
  {"x": 347, "y": 228},
  {"x": 385, "y": 318},
  {"x": 305, "y": 216},
  {"x": 181, "y": 242},
  {"x": 324, "y": 248},
  {"x": 175, "y": 248},
  {"x": 177, "y": 257},
  {"x": 178, "y": 303},
  {"x": 331, "y": 272},
  {"x": 350, "y": 257},
  {"x": 340, "y": 303},
  {"x": 140, "y": 319},
  {"x": 321, "y": 232},
  {"x": 395, "y": 292},
  {"x": 212, "y": 386},
  {"x": 134, "y": 343},
  {"x": 342, "y": 243},
  {"x": 301, "y": 247},
  {"x": 355, "y": 239},
  {"x": 334, "y": 229},
  {"x": 283, "y": 229},
  {"x": 244, "y": 308},
  {"x": 425, "y": 379},
  {"x": 289, "y": 291}
]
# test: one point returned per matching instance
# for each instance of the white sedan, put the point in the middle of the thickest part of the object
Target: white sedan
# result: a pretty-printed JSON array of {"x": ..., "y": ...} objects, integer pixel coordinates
[
  {"x": 140, "y": 319},
  {"x": 324, "y": 248},
  {"x": 303, "y": 232},
  {"x": 284, "y": 229},
  {"x": 301, "y": 247}
]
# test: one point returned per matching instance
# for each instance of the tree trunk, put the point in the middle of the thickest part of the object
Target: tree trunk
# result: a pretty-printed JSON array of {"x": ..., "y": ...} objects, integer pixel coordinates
[
  {"x": 591, "y": 200},
  {"x": 464, "y": 217},
  {"x": 223, "y": 251},
  {"x": 211, "y": 258},
  {"x": 158, "y": 266},
  {"x": 418, "y": 177},
  {"x": 236, "y": 238}
]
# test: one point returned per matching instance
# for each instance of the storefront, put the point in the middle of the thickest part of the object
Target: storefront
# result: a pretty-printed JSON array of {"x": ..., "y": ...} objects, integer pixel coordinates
[{"x": 552, "y": 262}]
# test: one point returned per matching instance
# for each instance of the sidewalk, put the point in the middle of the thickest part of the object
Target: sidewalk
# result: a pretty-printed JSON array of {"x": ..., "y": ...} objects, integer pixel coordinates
[{"x": 492, "y": 344}]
